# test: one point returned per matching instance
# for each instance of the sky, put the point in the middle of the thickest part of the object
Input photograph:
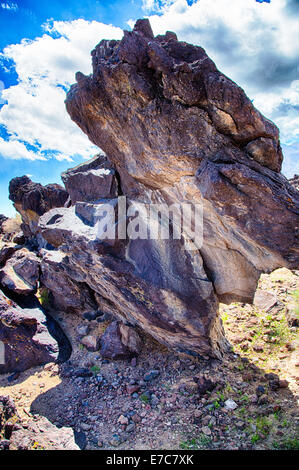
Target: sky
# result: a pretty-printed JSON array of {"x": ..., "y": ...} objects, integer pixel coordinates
[{"x": 43, "y": 45}]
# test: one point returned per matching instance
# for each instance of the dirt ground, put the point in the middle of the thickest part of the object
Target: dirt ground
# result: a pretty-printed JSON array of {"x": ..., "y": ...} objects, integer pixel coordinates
[{"x": 115, "y": 407}]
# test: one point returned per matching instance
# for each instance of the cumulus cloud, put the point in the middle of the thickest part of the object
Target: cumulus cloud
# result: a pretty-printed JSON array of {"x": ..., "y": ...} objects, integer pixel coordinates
[
  {"x": 9, "y": 6},
  {"x": 34, "y": 115}
]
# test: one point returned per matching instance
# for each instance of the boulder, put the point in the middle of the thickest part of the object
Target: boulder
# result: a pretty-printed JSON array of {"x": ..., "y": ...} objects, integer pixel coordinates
[
  {"x": 91, "y": 180},
  {"x": 6, "y": 252},
  {"x": 41, "y": 434},
  {"x": 264, "y": 300},
  {"x": 3, "y": 218},
  {"x": 37, "y": 434},
  {"x": 120, "y": 341},
  {"x": 32, "y": 200},
  {"x": 21, "y": 272},
  {"x": 30, "y": 338}
]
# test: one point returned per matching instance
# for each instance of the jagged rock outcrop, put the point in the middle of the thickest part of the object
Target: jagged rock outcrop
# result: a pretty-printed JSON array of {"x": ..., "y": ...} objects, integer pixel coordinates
[
  {"x": 92, "y": 180},
  {"x": 32, "y": 200},
  {"x": 30, "y": 338},
  {"x": 176, "y": 131}
]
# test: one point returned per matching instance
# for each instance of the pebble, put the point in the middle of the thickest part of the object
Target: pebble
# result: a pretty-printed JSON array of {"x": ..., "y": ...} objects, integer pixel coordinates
[
  {"x": 148, "y": 376},
  {"x": 230, "y": 404},
  {"x": 207, "y": 431}
]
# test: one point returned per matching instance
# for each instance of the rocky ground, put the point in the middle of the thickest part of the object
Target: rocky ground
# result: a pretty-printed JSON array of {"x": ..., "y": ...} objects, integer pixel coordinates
[{"x": 165, "y": 401}]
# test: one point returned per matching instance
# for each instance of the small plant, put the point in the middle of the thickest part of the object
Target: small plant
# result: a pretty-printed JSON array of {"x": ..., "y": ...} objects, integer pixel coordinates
[
  {"x": 255, "y": 438},
  {"x": 95, "y": 369},
  {"x": 144, "y": 398},
  {"x": 81, "y": 347},
  {"x": 216, "y": 404},
  {"x": 43, "y": 297},
  {"x": 196, "y": 443},
  {"x": 287, "y": 444}
]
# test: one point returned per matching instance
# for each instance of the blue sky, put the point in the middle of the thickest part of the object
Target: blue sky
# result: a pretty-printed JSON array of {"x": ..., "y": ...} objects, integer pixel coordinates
[{"x": 43, "y": 44}]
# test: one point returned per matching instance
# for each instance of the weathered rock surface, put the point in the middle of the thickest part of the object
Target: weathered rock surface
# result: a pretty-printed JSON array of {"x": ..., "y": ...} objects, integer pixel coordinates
[
  {"x": 70, "y": 295},
  {"x": 6, "y": 252},
  {"x": 30, "y": 338},
  {"x": 176, "y": 131},
  {"x": 37, "y": 434},
  {"x": 21, "y": 272},
  {"x": 91, "y": 181},
  {"x": 3, "y": 218},
  {"x": 32, "y": 200},
  {"x": 295, "y": 182},
  {"x": 120, "y": 342}
]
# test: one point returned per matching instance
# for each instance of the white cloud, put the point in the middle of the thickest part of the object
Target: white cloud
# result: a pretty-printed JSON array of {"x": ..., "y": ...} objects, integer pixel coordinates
[
  {"x": 9, "y": 6},
  {"x": 291, "y": 160},
  {"x": 16, "y": 150},
  {"x": 35, "y": 113}
]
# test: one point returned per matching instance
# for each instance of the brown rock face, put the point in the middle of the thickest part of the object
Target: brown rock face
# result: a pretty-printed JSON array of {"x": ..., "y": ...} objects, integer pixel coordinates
[
  {"x": 175, "y": 131},
  {"x": 178, "y": 131}
]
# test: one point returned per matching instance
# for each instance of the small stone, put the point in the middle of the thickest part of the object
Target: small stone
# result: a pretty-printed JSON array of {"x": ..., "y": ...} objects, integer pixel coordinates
[
  {"x": 92, "y": 343},
  {"x": 258, "y": 347},
  {"x": 291, "y": 346},
  {"x": 85, "y": 426},
  {"x": 83, "y": 372},
  {"x": 136, "y": 418},
  {"x": 264, "y": 300},
  {"x": 207, "y": 431},
  {"x": 151, "y": 375},
  {"x": 131, "y": 427},
  {"x": 115, "y": 441},
  {"x": 263, "y": 400},
  {"x": 283, "y": 384},
  {"x": 123, "y": 420},
  {"x": 260, "y": 390},
  {"x": 230, "y": 404},
  {"x": 82, "y": 330},
  {"x": 132, "y": 389}
]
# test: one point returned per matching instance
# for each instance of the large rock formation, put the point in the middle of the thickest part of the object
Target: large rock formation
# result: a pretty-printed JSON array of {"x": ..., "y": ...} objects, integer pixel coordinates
[{"x": 175, "y": 131}]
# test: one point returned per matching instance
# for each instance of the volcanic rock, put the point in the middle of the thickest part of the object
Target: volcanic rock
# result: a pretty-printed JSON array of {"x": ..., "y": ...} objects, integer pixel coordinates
[
  {"x": 175, "y": 131},
  {"x": 32, "y": 200},
  {"x": 3, "y": 218},
  {"x": 91, "y": 181},
  {"x": 25, "y": 333},
  {"x": 21, "y": 272},
  {"x": 37, "y": 434},
  {"x": 120, "y": 341}
]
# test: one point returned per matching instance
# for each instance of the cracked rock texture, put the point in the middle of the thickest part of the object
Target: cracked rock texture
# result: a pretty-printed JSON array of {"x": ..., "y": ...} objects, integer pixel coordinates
[
  {"x": 174, "y": 130},
  {"x": 30, "y": 338}
]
